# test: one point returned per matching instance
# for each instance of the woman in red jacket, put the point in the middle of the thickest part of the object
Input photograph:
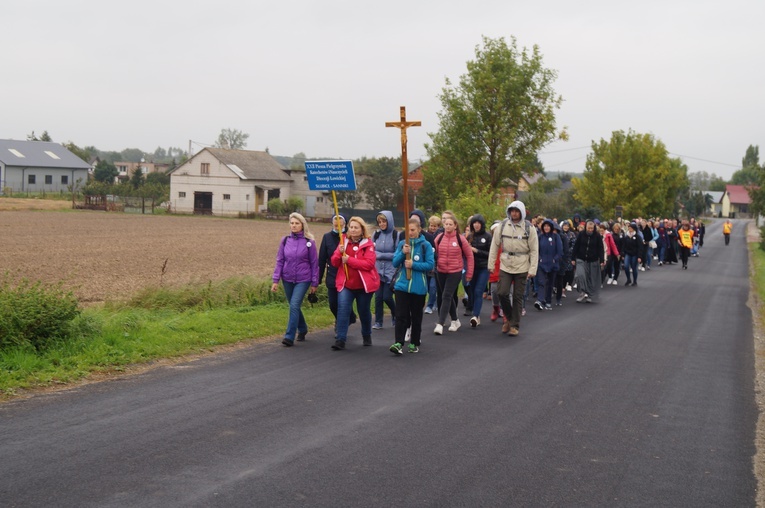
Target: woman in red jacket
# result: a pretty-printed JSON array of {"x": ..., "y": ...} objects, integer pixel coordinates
[
  {"x": 452, "y": 250},
  {"x": 357, "y": 279}
]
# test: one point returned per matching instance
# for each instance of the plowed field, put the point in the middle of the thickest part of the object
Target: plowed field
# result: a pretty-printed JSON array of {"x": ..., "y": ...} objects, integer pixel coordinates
[{"x": 102, "y": 255}]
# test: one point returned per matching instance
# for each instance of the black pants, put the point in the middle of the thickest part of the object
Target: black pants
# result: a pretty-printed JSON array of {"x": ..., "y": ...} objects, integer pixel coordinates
[
  {"x": 727, "y": 238},
  {"x": 409, "y": 310},
  {"x": 447, "y": 288},
  {"x": 684, "y": 253}
]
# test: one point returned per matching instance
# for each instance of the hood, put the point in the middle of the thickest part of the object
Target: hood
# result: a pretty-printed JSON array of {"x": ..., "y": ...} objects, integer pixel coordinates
[
  {"x": 478, "y": 217},
  {"x": 421, "y": 215},
  {"x": 389, "y": 216},
  {"x": 345, "y": 223},
  {"x": 553, "y": 226},
  {"x": 520, "y": 206}
]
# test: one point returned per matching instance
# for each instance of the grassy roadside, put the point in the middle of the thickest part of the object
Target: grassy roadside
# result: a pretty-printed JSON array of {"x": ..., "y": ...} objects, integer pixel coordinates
[{"x": 156, "y": 324}]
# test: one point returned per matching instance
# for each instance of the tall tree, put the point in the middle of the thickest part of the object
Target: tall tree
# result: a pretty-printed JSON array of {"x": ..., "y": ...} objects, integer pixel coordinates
[
  {"x": 634, "y": 171},
  {"x": 752, "y": 157},
  {"x": 497, "y": 118},
  {"x": 105, "y": 172},
  {"x": 136, "y": 179},
  {"x": 381, "y": 186},
  {"x": 232, "y": 138}
]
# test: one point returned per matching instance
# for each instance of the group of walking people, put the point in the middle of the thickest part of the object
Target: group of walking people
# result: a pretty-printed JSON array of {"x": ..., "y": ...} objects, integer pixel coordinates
[{"x": 419, "y": 270}]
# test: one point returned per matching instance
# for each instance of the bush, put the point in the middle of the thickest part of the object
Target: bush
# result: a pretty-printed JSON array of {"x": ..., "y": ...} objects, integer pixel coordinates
[
  {"x": 32, "y": 314},
  {"x": 276, "y": 206},
  {"x": 294, "y": 204}
]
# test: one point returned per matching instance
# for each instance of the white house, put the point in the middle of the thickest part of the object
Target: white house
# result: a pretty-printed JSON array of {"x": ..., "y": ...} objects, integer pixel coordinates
[{"x": 39, "y": 166}]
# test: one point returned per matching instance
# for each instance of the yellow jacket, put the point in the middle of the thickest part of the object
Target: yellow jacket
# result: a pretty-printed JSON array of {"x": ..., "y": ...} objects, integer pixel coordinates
[
  {"x": 685, "y": 237},
  {"x": 727, "y": 227}
]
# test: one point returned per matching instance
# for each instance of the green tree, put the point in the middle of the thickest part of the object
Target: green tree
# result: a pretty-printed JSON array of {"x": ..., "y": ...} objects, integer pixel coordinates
[
  {"x": 746, "y": 176},
  {"x": 158, "y": 178},
  {"x": 79, "y": 152},
  {"x": 136, "y": 179},
  {"x": 716, "y": 183},
  {"x": 496, "y": 119},
  {"x": 132, "y": 155},
  {"x": 751, "y": 157},
  {"x": 43, "y": 137},
  {"x": 105, "y": 172},
  {"x": 381, "y": 186},
  {"x": 232, "y": 138},
  {"x": 634, "y": 171}
]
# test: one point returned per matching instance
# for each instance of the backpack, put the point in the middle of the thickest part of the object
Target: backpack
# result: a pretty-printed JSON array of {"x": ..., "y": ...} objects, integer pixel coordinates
[
  {"x": 378, "y": 233},
  {"x": 526, "y": 228}
]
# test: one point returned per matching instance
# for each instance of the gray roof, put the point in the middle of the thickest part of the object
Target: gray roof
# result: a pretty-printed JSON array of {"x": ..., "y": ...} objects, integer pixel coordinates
[
  {"x": 38, "y": 154},
  {"x": 251, "y": 165}
]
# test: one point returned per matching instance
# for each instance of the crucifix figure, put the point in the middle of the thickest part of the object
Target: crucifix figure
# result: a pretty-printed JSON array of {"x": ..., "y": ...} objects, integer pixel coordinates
[{"x": 404, "y": 125}]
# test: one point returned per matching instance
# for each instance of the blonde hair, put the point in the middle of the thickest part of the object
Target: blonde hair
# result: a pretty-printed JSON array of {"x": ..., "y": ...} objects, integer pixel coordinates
[
  {"x": 306, "y": 232},
  {"x": 450, "y": 215},
  {"x": 434, "y": 220},
  {"x": 364, "y": 227}
]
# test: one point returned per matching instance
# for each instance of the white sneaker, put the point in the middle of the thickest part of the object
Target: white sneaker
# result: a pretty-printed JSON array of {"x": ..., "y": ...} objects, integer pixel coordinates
[
  {"x": 438, "y": 330},
  {"x": 610, "y": 280},
  {"x": 642, "y": 268},
  {"x": 455, "y": 325},
  {"x": 568, "y": 287},
  {"x": 408, "y": 335},
  {"x": 428, "y": 310},
  {"x": 615, "y": 282},
  {"x": 475, "y": 321}
]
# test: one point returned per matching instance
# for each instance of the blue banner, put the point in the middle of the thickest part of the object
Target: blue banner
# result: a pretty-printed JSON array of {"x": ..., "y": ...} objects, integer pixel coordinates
[{"x": 330, "y": 175}]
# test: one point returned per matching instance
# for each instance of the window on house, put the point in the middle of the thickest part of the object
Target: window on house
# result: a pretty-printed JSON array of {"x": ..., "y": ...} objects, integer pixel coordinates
[
  {"x": 205, "y": 168},
  {"x": 48, "y": 179},
  {"x": 181, "y": 194},
  {"x": 64, "y": 179},
  {"x": 227, "y": 196},
  {"x": 31, "y": 179}
]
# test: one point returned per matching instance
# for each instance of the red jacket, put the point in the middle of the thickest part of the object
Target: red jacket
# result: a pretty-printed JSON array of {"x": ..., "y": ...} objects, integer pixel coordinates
[
  {"x": 612, "y": 250},
  {"x": 450, "y": 255},
  {"x": 361, "y": 263}
]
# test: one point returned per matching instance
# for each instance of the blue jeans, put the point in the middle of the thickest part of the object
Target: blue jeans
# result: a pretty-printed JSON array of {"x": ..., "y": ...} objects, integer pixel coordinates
[
  {"x": 345, "y": 300},
  {"x": 432, "y": 292},
  {"x": 630, "y": 265},
  {"x": 295, "y": 292},
  {"x": 480, "y": 279},
  {"x": 383, "y": 295}
]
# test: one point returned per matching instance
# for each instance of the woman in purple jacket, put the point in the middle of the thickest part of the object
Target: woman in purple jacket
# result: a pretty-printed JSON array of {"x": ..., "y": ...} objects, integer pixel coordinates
[{"x": 297, "y": 266}]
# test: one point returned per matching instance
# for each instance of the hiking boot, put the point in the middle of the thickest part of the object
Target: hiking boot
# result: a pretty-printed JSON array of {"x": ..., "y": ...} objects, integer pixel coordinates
[
  {"x": 367, "y": 340},
  {"x": 301, "y": 337},
  {"x": 287, "y": 343},
  {"x": 513, "y": 331},
  {"x": 494, "y": 313},
  {"x": 396, "y": 349},
  {"x": 506, "y": 327},
  {"x": 439, "y": 330},
  {"x": 475, "y": 321},
  {"x": 338, "y": 345},
  {"x": 455, "y": 325},
  {"x": 414, "y": 349}
]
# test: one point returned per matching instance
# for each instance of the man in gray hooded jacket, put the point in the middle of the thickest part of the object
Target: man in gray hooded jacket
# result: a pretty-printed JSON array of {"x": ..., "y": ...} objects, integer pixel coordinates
[{"x": 515, "y": 242}]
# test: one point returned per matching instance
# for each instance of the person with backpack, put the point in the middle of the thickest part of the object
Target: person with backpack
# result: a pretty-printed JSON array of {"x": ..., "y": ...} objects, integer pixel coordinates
[
  {"x": 411, "y": 291},
  {"x": 297, "y": 267},
  {"x": 357, "y": 279},
  {"x": 385, "y": 240},
  {"x": 515, "y": 243},
  {"x": 452, "y": 253},
  {"x": 329, "y": 243}
]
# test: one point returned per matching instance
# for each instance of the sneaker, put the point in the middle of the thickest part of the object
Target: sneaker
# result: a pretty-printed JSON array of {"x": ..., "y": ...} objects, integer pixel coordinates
[
  {"x": 475, "y": 321},
  {"x": 523, "y": 312},
  {"x": 559, "y": 304},
  {"x": 396, "y": 349},
  {"x": 455, "y": 325},
  {"x": 338, "y": 345},
  {"x": 367, "y": 340},
  {"x": 628, "y": 283},
  {"x": 610, "y": 280},
  {"x": 642, "y": 268},
  {"x": 428, "y": 310},
  {"x": 439, "y": 330},
  {"x": 647, "y": 268},
  {"x": 660, "y": 263},
  {"x": 513, "y": 331},
  {"x": 615, "y": 282},
  {"x": 548, "y": 306},
  {"x": 301, "y": 337},
  {"x": 377, "y": 326},
  {"x": 287, "y": 343},
  {"x": 588, "y": 300},
  {"x": 538, "y": 305},
  {"x": 413, "y": 348},
  {"x": 408, "y": 335},
  {"x": 568, "y": 287},
  {"x": 581, "y": 298}
]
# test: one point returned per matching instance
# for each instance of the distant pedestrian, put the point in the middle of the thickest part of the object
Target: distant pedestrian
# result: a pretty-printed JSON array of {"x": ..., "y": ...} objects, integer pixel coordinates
[
  {"x": 727, "y": 228},
  {"x": 297, "y": 267},
  {"x": 685, "y": 238}
]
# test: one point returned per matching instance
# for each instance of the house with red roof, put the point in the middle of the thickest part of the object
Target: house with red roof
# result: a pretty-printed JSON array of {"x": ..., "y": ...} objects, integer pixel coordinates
[{"x": 735, "y": 202}]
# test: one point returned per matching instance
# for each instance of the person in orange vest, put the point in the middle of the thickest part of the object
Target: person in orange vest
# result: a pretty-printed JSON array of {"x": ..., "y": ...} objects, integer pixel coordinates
[
  {"x": 727, "y": 227},
  {"x": 685, "y": 239}
]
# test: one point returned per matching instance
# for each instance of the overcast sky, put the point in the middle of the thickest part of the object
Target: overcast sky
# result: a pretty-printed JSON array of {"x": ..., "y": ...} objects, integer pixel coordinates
[{"x": 322, "y": 77}]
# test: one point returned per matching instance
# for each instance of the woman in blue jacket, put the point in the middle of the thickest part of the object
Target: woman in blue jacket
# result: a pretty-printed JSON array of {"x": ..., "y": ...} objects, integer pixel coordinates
[
  {"x": 550, "y": 255},
  {"x": 297, "y": 267},
  {"x": 411, "y": 292}
]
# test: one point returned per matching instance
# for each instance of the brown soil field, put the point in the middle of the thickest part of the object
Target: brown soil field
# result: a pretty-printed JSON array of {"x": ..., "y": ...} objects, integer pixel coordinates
[{"x": 105, "y": 256}]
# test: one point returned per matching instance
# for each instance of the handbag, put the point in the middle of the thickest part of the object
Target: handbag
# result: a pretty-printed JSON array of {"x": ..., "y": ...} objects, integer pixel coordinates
[{"x": 652, "y": 244}]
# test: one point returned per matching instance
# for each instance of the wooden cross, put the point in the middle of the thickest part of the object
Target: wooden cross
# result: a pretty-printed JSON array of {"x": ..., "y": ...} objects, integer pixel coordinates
[{"x": 404, "y": 125}]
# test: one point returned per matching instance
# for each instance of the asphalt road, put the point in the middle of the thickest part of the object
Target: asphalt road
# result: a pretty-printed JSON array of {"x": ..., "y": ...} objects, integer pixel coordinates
[{"x": 643, "y": 399}]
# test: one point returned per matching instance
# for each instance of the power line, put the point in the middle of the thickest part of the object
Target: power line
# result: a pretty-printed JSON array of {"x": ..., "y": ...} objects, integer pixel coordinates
[
  {"x": 705, "y": 160},
  {"x": 566, "y": 150}
]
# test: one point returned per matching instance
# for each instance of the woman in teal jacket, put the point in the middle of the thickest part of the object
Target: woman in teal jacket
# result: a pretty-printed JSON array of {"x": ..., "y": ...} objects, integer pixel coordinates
[{"x": 411, "y": 292}]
